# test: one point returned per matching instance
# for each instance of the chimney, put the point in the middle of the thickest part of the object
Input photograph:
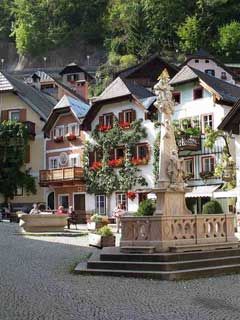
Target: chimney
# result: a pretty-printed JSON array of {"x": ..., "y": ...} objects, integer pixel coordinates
[{"x": 81, "y": 88}]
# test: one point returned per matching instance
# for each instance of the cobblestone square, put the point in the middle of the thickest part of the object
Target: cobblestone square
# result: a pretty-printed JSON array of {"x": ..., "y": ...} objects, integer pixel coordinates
[{"x": 36, "y": 283}]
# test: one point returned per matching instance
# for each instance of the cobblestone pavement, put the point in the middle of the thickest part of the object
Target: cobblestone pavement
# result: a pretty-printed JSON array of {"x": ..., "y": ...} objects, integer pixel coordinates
[{"x": 36, "y": 284}]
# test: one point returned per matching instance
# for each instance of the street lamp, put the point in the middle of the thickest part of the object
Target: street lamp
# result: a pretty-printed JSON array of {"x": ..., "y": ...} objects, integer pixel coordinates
[
  {"x": 2, "y": 62},
  {"x": 45, "y": 62},
  {"x": 88, "y": 58}
]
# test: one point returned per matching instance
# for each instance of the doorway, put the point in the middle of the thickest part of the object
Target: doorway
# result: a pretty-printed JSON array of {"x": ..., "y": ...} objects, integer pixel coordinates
[
  {"x": 50, "y": 201},
  {"x": 80, "y": 206}
]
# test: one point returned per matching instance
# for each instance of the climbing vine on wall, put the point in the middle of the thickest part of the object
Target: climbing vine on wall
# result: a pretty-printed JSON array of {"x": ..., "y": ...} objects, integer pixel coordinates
[{"x": 101, "y": 177}]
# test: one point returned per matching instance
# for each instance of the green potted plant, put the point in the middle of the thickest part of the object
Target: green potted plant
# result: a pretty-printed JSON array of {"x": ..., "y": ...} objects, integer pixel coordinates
[
  {"x": 212, "y": 207},
  {"x": 103, "y": 237},
  {"x": 97, "y": 221},
  {"x": 146, "y": 208}
]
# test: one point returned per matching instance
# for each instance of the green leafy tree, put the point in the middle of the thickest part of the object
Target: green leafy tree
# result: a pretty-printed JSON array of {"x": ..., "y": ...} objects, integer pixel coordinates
[
  {"x": 229, "y": 40},
  {"x": 13, "y": 147}
]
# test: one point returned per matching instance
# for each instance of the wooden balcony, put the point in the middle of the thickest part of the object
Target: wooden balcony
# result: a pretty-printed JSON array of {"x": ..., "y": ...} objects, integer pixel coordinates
[
  {"x": 61, "y": 176},
  {"x": 188, "y": 143}
]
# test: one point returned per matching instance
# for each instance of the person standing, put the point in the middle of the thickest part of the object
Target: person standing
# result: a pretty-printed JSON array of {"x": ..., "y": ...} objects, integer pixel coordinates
[
  {"x": 35, "y": 209},
  {"x": 118, "y": 213}
]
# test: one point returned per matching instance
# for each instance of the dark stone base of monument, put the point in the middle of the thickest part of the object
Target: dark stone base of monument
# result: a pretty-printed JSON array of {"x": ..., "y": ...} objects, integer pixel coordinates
[{"x": 164, "y": 266}]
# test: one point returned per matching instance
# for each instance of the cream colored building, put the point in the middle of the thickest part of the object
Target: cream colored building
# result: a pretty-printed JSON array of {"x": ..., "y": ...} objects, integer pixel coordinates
[{"x": 24, "y": 103}]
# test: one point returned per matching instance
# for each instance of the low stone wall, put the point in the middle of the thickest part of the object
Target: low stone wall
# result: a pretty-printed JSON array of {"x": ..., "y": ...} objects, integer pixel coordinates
[
  {"x": 164, "y": 232},
  {"x": 42, "y": 222}
]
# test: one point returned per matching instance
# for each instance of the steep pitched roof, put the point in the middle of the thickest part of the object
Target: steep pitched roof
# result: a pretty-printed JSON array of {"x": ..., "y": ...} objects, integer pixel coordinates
[
  {"x": 74, "y": 68},
  {"x": 226, "y": 91},
  {"x": 149, "y": 68},
  {"x": 65, "y": 105},
  {"x": 121, "y": 88},
  {"x": 35, "y": 99},
  {"x": 231, "y": 122}
]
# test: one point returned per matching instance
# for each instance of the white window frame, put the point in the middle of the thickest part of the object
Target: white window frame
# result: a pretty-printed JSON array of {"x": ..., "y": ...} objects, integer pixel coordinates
[
  {"x": 52, "y": 159},
  {"x": 70, "y": 128},
  {"x": 203, "y": 122},
  {"x": 98, "y": 208},
  {"x": 204, "y": 158},
  {"x": 56, "y": 131},
  {"x": 14, "y": 111},
  {"x": 119, "y": 199},
  {"x": 63, "y": 195},
  {"x": 74, "y": 156},
  {"x": 186, "y": 160}
]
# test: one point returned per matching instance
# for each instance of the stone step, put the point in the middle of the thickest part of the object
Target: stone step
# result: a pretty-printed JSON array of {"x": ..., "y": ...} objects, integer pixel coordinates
[
  {"x": 139, "y": 249},
  {"x": 114, "y": 254},
  {"x": 203, "y": 247},
  {"x": 162, "y": 266},
  {"x": 161, "y": 275}
]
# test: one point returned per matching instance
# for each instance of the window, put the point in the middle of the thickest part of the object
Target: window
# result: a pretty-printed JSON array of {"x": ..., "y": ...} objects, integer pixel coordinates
[
  {"x": 223, "y": 75},
  {"x": 196, "y": 61},
  {"x": 210, "y": 72},
  {"x": 207, "y": 122},
  {"x": 63, "y": 200},
  {"x": 119, "y": 153},
  {"x": 73, "y": 128},
  {"x": 72, "y": 77},
  {"x": 19, "y": 191},
  {"x": 59, "y": 131},
  {"x": 177, "y": 97},
  {"x": 142, "y": 151},
  {"x": 53, "y": 163},
  {"x": 189, "y": 166},
  {"x": 106, "y": 120},
  {"x": 208, "y": 164},
  {"x": 121, "y": 198},
  {"x": 14, "y": 115},
  {"x": 206, "y": 61},
  {"x": 101, "y": 204},
  {"x": 126, "y": 117},
  {"x": 74, "y": 160},
  {"x": 197, "y": 93}
]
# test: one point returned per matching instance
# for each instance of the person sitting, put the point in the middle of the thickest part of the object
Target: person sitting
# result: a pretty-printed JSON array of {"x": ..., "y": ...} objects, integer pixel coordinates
[
  {"x": 35, "y": 209},
  {"x": 72, "y": 217},
  {"x": 60, "y": 211}
]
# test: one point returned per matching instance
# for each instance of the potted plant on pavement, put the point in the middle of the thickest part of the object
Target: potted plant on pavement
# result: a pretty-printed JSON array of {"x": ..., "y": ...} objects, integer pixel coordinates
[
  {"x": 103, "y": 237},
  {"x": 97, "y": 221}
]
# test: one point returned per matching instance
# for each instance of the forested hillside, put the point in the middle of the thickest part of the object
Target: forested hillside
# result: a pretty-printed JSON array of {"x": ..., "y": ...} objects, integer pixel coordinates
[{"x": 129, "y": 30}]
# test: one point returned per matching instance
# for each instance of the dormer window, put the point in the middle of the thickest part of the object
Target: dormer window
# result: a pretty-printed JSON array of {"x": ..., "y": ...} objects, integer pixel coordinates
[
  {"x": 177, "y": 97},
  {"x": 210, "y": 72},
  {"x": 72, "y": 77},
  {"x": 58, "y": 131},
  {"x": 223, "y": 75},
  {"x": 197, "y": 93}
]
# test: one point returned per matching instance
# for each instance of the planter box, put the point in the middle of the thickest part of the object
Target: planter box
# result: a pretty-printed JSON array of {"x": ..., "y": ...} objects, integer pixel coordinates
[
  {"x": 96, "y": 225},
  {"x": 43, "y": 222},
  {"x": 96, "y": 240}
]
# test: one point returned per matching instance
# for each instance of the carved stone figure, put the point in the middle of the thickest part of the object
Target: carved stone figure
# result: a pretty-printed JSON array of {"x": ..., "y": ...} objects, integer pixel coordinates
[{"x": 175, "y": 170}]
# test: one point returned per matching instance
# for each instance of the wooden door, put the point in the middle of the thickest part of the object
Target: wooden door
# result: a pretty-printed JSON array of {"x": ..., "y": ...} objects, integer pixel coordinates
[{"x": 79, "y": 207}]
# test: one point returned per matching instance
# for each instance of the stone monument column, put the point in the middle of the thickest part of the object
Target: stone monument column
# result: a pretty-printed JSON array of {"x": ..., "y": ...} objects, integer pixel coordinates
[{"x": 170, "y": 189}]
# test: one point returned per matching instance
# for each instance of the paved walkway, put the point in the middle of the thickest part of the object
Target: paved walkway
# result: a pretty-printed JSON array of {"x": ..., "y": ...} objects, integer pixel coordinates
[{"x": 36, "y": 284}]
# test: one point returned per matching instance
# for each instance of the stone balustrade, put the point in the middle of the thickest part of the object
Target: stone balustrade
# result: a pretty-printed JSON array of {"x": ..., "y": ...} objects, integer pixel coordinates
[{"x": 164, "y": 232}]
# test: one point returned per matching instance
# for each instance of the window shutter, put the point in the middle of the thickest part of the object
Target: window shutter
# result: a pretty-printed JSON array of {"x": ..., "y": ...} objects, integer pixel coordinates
[
  {"x": 121, "y": 117},
  {"x": 133, "y": 117},
  {"x": 111, "y": 119},
  {"x": 23, "y": 115},
  {"x": 212, "y": 164},
  {"x": 101, "y": 121},
  {"x": 112, "y": 154},
  {"x": 146, "y": 116},
  {"x": 4, "y": 115},
  {"x": 27, "y": 154},
  {"x": 91, "y": 158}
]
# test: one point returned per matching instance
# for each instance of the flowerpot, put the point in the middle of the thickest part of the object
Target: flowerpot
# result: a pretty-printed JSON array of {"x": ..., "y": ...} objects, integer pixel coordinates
[{"x": 96, "y": 240}]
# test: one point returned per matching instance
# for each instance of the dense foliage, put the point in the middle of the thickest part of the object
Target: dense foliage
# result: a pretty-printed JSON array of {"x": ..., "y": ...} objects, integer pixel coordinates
[
  {"x": 212, "y": 207},
  {"x": 130, "y": 30},
  {"x": 13, "y": 147},
  {"x": 146, "y": 208}
]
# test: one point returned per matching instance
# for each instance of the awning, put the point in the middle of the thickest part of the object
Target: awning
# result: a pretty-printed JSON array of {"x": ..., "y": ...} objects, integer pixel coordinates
[
  {"x": 227, "y": 194},
  {"x": 202, "y": 191}
]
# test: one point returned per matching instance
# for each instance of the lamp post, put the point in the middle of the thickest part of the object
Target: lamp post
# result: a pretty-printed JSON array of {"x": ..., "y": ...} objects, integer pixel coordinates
[
  {"x": 45, "y": 62},
  {"x": 2, "y": 62}
]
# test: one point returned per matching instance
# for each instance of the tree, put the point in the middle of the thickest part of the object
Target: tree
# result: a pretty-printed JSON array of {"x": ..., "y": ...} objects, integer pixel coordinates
[
  {"x": 229, "y": 40},
  {"x": 190, "y": 34},
  {"x": 13, "y": 148}
]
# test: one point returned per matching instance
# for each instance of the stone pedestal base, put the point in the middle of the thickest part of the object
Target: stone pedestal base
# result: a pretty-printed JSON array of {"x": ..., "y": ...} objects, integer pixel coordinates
[
  {"x": 171, "y": 202},
  {"x": 166, "y": 232},
  {"x": 42, "y": 222}
]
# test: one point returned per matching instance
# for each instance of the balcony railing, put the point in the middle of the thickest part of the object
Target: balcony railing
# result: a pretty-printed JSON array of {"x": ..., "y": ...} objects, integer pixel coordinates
[
  {"x": 60, "y": 176},
  {"x": 188, "y": 143}
]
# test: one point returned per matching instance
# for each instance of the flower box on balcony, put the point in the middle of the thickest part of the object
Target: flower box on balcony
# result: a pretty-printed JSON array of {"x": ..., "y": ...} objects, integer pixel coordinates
[
  {"x": 58, "y": 139},
  {"x": 71, "y": 137},
  {"x": 139, "y": 161},
  {"x": 116, "y": 163},
  {"x": 206, "y": 174},
  {"x": 125, "y": 125},
  {"x": 96, "y": 165},
  {"x": 104, "y": 128}
]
